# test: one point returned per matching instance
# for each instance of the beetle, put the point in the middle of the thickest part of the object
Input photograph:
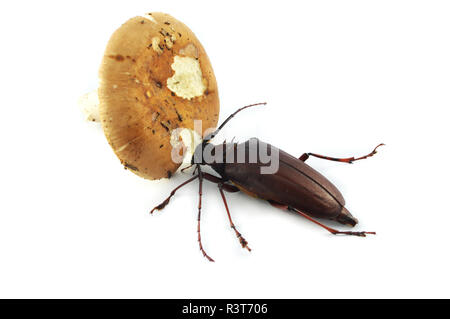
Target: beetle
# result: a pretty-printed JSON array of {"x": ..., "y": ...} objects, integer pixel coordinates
[{"x": 295, "y": 186}]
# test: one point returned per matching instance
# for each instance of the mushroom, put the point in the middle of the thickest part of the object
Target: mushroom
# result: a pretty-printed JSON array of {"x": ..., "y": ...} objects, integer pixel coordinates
[{"x": 155, "y": 77}]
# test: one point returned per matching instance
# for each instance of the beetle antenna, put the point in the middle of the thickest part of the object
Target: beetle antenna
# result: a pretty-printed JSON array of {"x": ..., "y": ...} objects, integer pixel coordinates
[{"x": 213, "y": 134}]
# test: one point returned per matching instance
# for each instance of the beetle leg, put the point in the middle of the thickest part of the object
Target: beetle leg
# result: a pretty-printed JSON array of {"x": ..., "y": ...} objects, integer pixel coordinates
[
  {"x": 229, "y": 188},
  {"x": 242, "y": 240},
  {"x": 304, "y": 157},
  {"x": 349, "y": 160},
  {"x": 163, "y": 204},
  {"x": 200, "y": 184},
  {"x": 186, "y": 168},
  {"x": 331, "y": 230},
  {"x": 195, "y": 170}
]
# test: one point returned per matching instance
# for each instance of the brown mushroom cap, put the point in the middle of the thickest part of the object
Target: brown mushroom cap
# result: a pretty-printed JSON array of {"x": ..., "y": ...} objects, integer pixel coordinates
[{"x": 155, "y": 77}]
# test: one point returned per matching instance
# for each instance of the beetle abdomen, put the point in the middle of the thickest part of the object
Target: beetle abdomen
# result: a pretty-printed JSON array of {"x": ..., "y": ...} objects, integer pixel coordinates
[{"x": 295, "y": 184}]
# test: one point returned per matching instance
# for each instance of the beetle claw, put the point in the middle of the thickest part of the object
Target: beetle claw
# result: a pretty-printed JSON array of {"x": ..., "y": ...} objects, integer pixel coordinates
[
  {"x": 206, "y": 255},
  {"x": 160, "y": 206},
  {"x": 244, "y": 244}
]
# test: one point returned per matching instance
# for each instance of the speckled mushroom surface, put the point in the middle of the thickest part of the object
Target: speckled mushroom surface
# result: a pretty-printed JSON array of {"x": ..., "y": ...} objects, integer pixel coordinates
[{"x": 155, "y": 77}]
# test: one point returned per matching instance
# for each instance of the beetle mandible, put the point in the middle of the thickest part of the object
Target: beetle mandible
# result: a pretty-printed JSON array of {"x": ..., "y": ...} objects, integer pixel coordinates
[{"x": 295, "y": 186}]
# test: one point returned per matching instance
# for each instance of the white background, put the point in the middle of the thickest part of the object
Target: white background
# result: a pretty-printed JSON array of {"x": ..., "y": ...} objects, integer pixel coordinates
[{"x": 339, "y": 78}]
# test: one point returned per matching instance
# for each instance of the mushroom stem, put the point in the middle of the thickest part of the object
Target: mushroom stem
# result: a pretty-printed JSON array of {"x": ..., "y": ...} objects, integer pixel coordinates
[{"x": 88, "y": 103}]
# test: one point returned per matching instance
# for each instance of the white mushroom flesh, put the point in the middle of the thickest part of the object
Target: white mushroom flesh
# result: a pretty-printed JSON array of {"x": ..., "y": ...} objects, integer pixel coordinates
[{"x": 187, "y": 82}]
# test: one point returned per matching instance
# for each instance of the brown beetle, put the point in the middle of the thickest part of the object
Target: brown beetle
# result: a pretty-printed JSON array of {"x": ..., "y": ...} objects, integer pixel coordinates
[{"x": 294, "y": 186}]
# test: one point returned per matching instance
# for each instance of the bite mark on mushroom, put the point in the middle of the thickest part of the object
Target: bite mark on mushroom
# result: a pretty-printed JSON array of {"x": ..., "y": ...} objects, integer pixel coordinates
[
  {"x": 155, "y": 45},
  {"x": 169, "y": 42},
  {"x": 187, "y": 82},
  {"x": 150, "y": 17}
]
